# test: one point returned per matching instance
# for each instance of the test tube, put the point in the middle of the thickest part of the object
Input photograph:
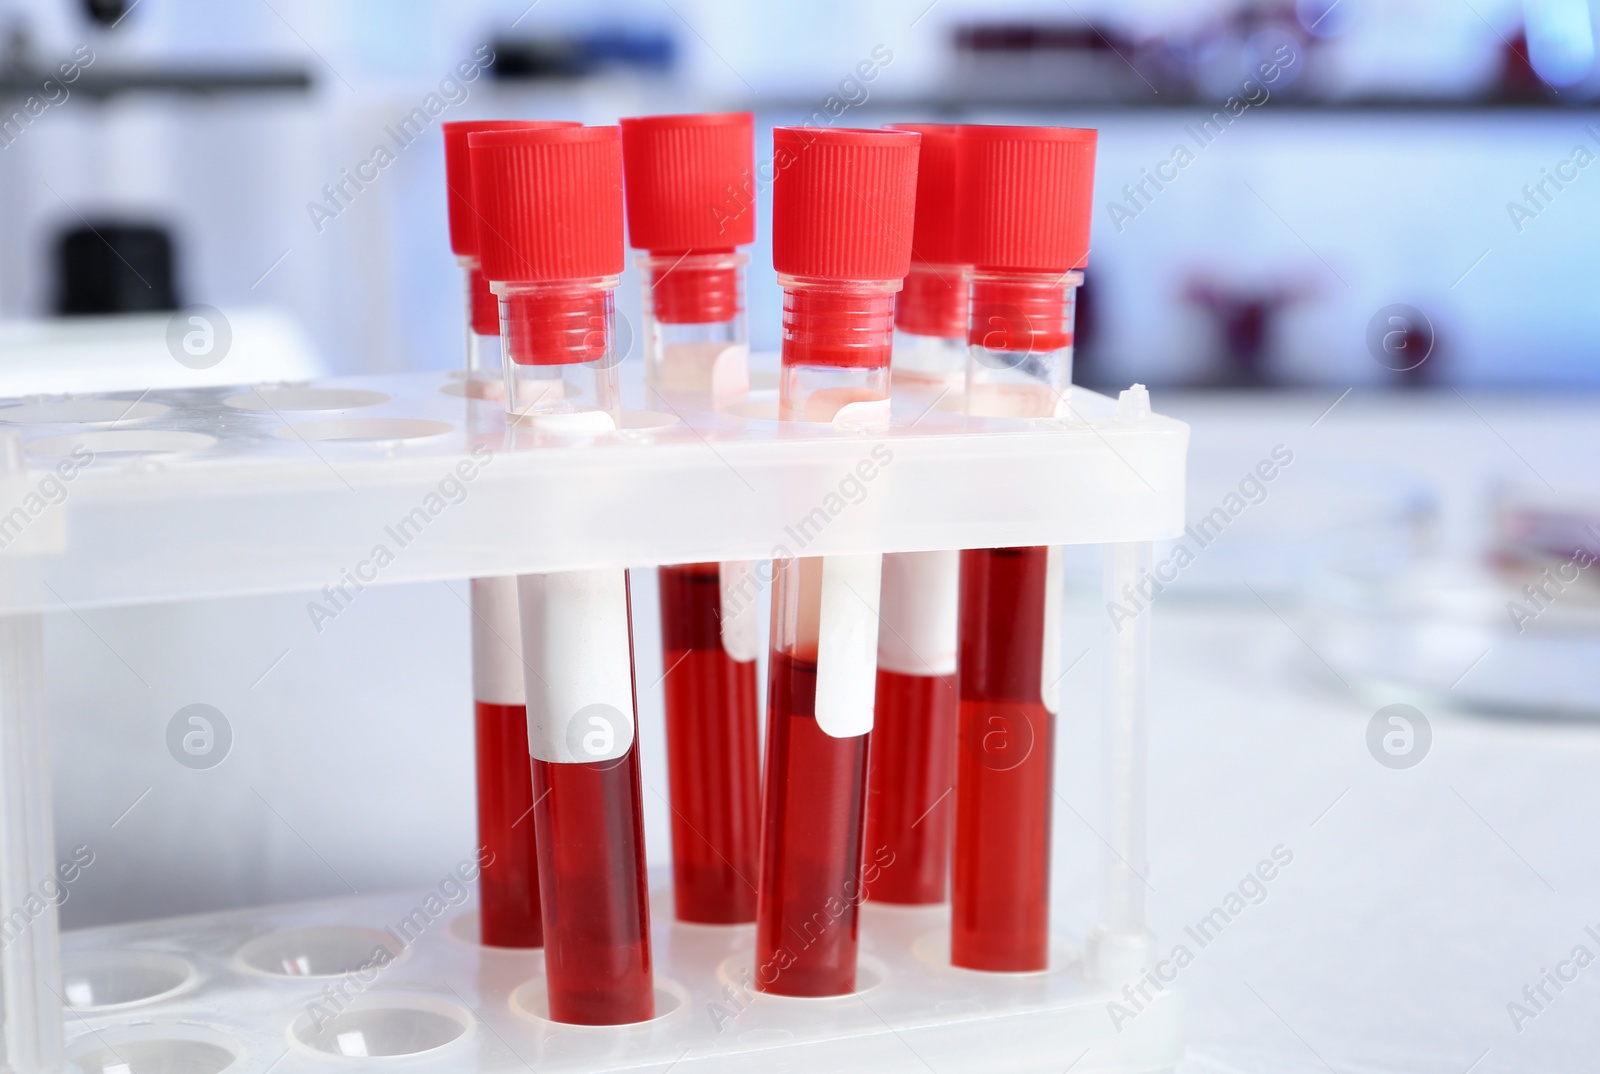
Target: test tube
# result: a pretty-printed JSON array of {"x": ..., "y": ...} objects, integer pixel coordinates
[
  {"x": 930, "y": 314},
  {"x": 690, "y": 208},
  {"x": 1027, "y": 193},
  {"x": 841, "y": 243},
  {"x": 911, "y": 771},
  {"x": 508, "y": 887},
  {"x": 481, "y": 307},
  {"x": 552, "y": 248}
]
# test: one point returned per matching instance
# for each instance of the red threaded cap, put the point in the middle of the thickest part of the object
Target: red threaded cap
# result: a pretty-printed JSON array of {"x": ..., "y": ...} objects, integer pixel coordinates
[
  {"x": 1028, "y": 194},
  {"x": 843, "y": 202},
  {"x": 691, "y": 181},
  {"x": 458, "y": 175},
  {"x": 549, "y": 201},
  {"x": 933, "y": 302},
  {"x": 936, "y": 232},
  {"x": 688, "y": 291},
  {"x": 485, "y": 306}
]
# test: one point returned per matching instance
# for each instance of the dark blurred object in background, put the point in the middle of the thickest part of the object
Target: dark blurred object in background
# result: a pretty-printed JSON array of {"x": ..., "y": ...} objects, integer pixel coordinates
[
  {"x": 1518, "y": 80},
  {"x": 114, "y": 268},
  {"x": 107, "y": 12},
  {"x": 1041, "y": 61},
  {"x": 584, "y": 55},
  {"x": 1245, "y": 316}
]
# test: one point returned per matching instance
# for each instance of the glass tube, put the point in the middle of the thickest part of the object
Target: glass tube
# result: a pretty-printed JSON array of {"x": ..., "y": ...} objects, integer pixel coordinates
[
  {"x": 508, "y": 887},
  {"x": 695, "y": 343},
  {"x": 713, "y": 759},
  {"x": 483, "y": 327},
  {"x": 911, "y": 772},
  {"x": 562, "y": 372},
  {"x": 1020, "y": 365},
  {"x": 1000, "y": 896},
  {"x": 694, "y": 325},
  {"x": 595, "y": 892},
  {"x": 930, "y": 327},
  {"x": 562, "y": 380},
  {"x": 836, "y": 349},
  {"x": 1020, "y": 344}
]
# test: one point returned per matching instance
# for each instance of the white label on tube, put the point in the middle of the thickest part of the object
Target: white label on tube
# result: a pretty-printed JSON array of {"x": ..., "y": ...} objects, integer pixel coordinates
[
  {"x": 578, "y": 665},
  {"x": 741, "y": 632},
  {"x": 847, "y": 644},
  {"x": 496, "y": 642},
  {"x": 918, "y": 632},
  {"x": 1050, "y": 658}
]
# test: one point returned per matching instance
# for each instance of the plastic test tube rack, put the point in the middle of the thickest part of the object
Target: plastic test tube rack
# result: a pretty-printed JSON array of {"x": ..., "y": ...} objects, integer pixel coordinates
[{"x": 286, "y": 488}]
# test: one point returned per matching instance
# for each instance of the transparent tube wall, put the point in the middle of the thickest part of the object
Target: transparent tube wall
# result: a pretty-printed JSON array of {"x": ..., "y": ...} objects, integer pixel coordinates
[
  {"x": 1020, "y": 344},
  {"x": 836, "y": 351},
  {"x": 560, "y": 341}
]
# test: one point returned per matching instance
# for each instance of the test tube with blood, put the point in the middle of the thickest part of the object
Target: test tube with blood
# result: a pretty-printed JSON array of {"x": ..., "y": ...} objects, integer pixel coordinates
[
  {"x": 1026, "y": 194},
  {"x": 552, "y": 249},
  {"x": 687, "y": 178},
  {"x": 508, "y": 886},
  {"x": 842, "y": 208}
]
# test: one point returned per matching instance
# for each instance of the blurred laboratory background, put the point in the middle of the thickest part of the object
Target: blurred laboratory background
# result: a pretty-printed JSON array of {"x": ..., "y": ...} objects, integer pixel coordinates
[
  {"x": 1272, "y": 173},
  {"x": 1352, "y": 242}
]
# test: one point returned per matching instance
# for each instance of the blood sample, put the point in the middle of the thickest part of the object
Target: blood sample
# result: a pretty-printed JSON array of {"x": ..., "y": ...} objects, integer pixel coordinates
[
  {"x": 911, "y": 781},
  {"x": 508, "y": 888},
  {"x": 842, "y": 207},
  {"x": 680, "y": 171},
  {"x": 551, "y": 201},
  {"x": 911, "y": 773},
  {"x": 1001, "y": 897},
  {"x": 713, "y": 759},
  {"x": 1027, "y": 193}
]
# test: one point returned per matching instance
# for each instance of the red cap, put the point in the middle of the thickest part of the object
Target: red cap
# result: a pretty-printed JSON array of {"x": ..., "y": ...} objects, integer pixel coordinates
[
  {"x": 549, "y": 201},
  {"x": 935, "y": 236},
  {"x": 691, "y": 181},
  {"x": 485, "y": 311},
  {"x": 843, "y": 202},
  {"x": 1028, "y": 195},
  {"x": 458, "y": 174}
]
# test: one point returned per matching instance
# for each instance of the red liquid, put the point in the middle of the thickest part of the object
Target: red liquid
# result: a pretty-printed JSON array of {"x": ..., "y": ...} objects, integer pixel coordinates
[
  {"x": 595, "y": 890},
  {"x": 713, "y": 767},
  {"x": 1000, "y": 902},
  {"x": 810, "y": 884},
  {"x": 911, "y": 786},
  {"x": 509, "y": 884}
]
